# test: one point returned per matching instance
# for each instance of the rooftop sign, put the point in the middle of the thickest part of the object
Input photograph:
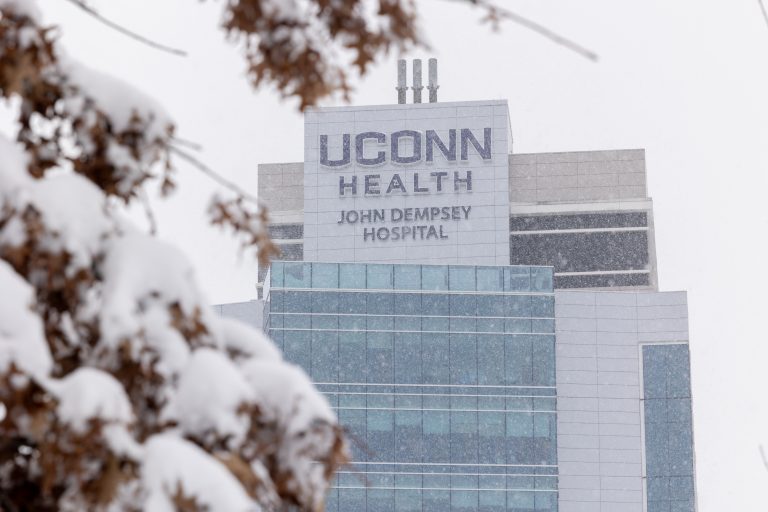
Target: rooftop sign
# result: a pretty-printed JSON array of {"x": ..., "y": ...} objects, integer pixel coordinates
[{"x": 425, "y": 183}]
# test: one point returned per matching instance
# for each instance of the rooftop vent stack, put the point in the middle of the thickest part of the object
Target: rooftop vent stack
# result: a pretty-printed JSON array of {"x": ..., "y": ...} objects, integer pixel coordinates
[
  {"x": 433, "y": 87},
  {"x": 417, "y": 87},
  {"x": 402, "y": 89}
]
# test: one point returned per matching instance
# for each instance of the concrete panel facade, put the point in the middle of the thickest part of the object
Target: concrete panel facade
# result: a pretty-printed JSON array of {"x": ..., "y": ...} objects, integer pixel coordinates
[
  {"x": 599, "y": 392},
  {"x": 577, "y": 176},
  {"x": 475, "y": 230}
]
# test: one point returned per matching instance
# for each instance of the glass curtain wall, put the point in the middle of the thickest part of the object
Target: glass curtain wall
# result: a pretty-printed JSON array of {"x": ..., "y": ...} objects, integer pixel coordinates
[
  {"x": 668, "y": 428},
  {"x": 444, "y": 377}
]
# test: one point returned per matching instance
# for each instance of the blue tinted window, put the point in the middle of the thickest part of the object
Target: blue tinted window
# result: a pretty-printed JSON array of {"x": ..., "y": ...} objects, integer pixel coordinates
[
  {"x": 353, "y": 303},
  {"x": 407, "y": 500},
  {"x": 408, "y": 358},
  {"x": 407, "y": 277},
  {"x": 517, "y": 279},
  {"x": 380, "y": 277},
  {"x": 541, "y": 279},
  {"x": 297, "y": 302},
  {"x": 380, "y": 303},
  {"x": 407, "y": 303},
  {"x": 297, "y": 275},
  {"x": 434, "y": 304},
  {"x": 325, "y": 275},
  {"x": 410, "y": 362},
  {"x": 325, "y": 356},
  {"x": 668, "y": 430},
  {"x": 543, "y": 306},
  {"x": 434, "y": 277},
  {"x": 352, "y": 275},
  {"x": 276, "y": 274},
  {"x": 490, "y": 279},
  {"x": 298, "y": 348},
  {"x": 463, "y": 358},
  {"x": 325, "y": 302},
  {"x": 461, "y": 278},
  {"x": 490, "y": 360},
  {"x": 518, "y": 305},
  {"x": 380, "y": 357}
]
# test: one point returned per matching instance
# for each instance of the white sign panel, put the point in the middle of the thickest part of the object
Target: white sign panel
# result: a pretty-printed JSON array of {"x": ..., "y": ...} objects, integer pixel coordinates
[{"x": 426, "y": 183}]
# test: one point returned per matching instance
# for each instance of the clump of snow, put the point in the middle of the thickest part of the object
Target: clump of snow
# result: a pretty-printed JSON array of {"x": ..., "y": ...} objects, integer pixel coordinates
[
  {"x": 13, "y": 167},
  {"x": 80, "y": 226},
  {"x": 22, "y": 339},
  {"x": 122, "y": 442},
  {"x": 173, "y": 465},
  {"x": 25, "y": 7},
  {"x": 170, "y": 345},
  {"x": 77, "y": 227},
  {"x": 90, "y": 394},
  {"x": 286, "y": 394},
  {"x": 243, "y": 339},
  {"x": 143, "y": 274},
  {"x": 117, "y": 99},
  {"x": 210, "y": 391}
]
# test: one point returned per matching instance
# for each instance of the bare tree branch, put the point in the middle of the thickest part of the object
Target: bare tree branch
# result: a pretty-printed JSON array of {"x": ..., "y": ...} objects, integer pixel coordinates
[
  {"x": 111, "y": 24},
  {"x": 213, "y": 175},
  {"x": 765, "y": 12},
  {"x": 151, "y": 220},
  {"x": 496, "y": 14},
  {"x": 195, "y": 146}
]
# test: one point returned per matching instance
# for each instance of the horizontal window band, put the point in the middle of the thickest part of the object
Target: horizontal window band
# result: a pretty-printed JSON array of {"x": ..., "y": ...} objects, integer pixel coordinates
[
  {"x": 577, "y": 231},
  {"x": 410, "y": 291},
  {"x": 500, "y": 475},
  {"x": 397, "y": 315},
  {"x": 431, "y": 385},
  {"x": 444, "y": 489},
  {"x": 459, "y": 464},
  {"x": 409, "y": 332},
  {"x": 602, "y": 273},
  {"x": 412, "y": 409},
  {"x": 374, "y": 393}
]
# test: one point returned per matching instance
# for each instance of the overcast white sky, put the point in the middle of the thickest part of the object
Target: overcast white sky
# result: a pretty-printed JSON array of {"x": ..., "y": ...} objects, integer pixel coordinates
[{"x": 687, "y": 80}]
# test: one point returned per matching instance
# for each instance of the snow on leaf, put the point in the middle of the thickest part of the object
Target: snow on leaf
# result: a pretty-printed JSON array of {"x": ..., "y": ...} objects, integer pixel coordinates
[
  {"x": 245, "y": 341},
  {"x": 173, "y": 466},
  {"x": 142, "y": 274},
  {"x": 26, "y": 7},
  {"x": 89, "y": 394},
  {"x": 117, "y": 99},
  {"x": 22, "y": 340},
  {"x": 211, "y": 389}
]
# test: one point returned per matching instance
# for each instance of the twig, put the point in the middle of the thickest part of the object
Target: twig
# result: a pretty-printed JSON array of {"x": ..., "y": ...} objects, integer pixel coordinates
[
  {"x": 765, "y": 459},
  {"x": 765, "y": 12},
  {"x": 213, "y": 174},
  {"x": 90, "y": 10},
  {"x": 496, "y": 11},
  {"x": 148, "y": 211},
  {"x": 188, "y": 143}
]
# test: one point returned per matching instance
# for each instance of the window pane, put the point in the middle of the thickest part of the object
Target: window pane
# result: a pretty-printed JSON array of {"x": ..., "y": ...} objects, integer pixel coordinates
[
  {"x": 276, "y": 274},
  {"x": 379, "y": 277},
  {"x": 325, "y": 275},
  {"x": 462, "y": 278},
  {"x": 434, "y": 277},
  {"x": 541, "y": 279},
  {"x": 407, "y": 277},
  {"x": 297, "y": 275},
  {"x": 490, "y": 279},
  {"x": 517, "y": 279},
  {"x": 352, "y": 275}
]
